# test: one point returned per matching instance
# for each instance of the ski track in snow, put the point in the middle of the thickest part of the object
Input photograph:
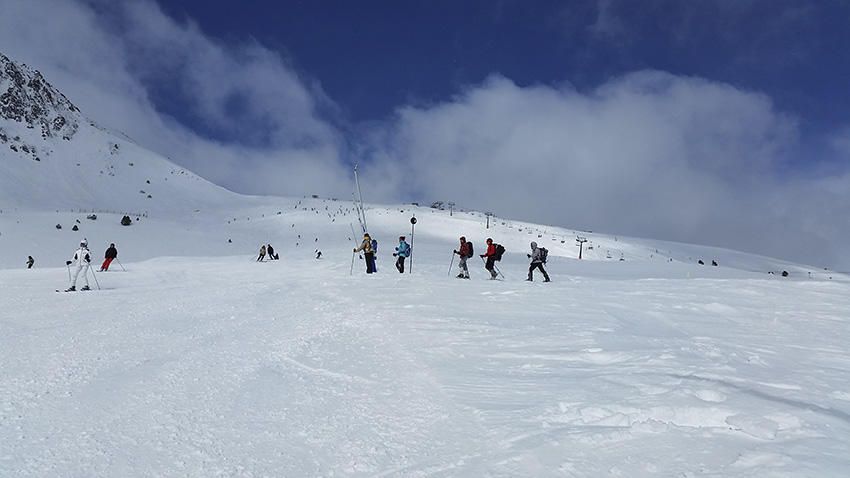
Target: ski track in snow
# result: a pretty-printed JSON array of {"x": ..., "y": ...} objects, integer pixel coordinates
[{"x": 221, "y": 366}]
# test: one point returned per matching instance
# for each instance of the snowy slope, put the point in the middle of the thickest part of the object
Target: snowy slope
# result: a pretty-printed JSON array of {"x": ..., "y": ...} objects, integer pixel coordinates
[
  {"x": 52, "y": 157},
  {"x": 199, "y": 361}
]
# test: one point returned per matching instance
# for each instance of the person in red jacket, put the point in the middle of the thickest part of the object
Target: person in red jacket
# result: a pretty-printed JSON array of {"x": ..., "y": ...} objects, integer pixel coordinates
[
  {"x": 109, "y": 256},
  {"x": 465, "y": 253},
  {"x": 491, "y": 258}
]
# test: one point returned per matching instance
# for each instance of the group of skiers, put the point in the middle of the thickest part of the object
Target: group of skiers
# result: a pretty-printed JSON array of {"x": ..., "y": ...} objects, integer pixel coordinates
[
  {"x": 267, "y": 249},
  {"x": 369, "y": 247},
  {"x": 494, "y": 254},
  {"x": 82, "y": 262},
  {"x": 538, "y": 256}
]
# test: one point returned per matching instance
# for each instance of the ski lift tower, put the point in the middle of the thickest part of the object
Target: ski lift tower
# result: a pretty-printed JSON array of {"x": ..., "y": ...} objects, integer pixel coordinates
[
  {"x": 580, "y": 240},
  {"x": 489, "y": 215}
]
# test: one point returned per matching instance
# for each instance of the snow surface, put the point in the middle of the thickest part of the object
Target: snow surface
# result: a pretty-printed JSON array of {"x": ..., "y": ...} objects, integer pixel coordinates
[{"x": 199, "y": 361}]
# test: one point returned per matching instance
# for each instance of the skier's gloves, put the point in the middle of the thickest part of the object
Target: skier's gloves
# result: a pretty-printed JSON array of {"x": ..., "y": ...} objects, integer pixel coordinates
[
  {"x": 67, "y": 263},
  {"x": 529, "y": 256},
  {"x": 394, "y": 254}
]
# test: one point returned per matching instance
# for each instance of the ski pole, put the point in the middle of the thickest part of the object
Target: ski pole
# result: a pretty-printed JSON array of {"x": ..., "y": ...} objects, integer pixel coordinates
[
  {"x": 95, "y": 277},
  {"x": 496, "y": 268},
  {"x": 120, "y": 264},
  {"x": 69, "y": 272},
  {"x": 451, "y": 264},
  {"x": 351, "y": 273}
]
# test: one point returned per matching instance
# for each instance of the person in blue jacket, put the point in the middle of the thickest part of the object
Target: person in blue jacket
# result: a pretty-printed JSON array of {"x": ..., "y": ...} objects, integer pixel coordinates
[{"x": 402, "y": 252}]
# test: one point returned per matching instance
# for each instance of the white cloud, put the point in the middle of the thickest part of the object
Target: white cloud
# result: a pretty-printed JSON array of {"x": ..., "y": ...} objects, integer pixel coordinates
[{"x": 648, "y": 154}]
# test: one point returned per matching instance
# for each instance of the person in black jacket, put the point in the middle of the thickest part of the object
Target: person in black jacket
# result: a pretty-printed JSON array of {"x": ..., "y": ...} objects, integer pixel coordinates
[{"x": 109, "y": 256}]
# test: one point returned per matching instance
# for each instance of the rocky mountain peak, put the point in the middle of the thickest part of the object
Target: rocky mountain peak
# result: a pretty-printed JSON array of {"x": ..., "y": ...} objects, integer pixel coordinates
[{"x": 28, "y": 99}]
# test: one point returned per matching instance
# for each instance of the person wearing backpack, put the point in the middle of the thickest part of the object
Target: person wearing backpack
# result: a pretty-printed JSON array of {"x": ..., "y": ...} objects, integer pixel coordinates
[
  {"x": 538, "y": 257},
  {"x": 490, "y": 255},
  {"x": 368, "y": 253},
  {"x": 465, "y": 252},
  {"x": 402, "y": 252}
]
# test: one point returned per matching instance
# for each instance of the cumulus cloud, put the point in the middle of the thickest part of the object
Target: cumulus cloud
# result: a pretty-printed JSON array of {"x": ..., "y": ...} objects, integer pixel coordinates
[{"x": 648, "y": 154}]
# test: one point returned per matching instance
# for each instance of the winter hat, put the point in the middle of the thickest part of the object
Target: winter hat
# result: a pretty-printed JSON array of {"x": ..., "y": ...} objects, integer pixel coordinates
[{"x": 84, "y": 242}]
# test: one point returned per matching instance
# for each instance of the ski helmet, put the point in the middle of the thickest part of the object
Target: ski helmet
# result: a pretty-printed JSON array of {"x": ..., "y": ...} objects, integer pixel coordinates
[{"x": 84, "y": 242}]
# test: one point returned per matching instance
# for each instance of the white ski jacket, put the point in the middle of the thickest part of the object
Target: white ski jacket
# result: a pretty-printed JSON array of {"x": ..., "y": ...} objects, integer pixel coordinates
[{"x": 82, "y": 257}]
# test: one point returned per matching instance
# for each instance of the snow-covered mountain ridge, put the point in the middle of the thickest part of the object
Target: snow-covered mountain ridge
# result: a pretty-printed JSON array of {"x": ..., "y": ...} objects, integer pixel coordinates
[
  {"x": 52, "y": 157},
  {"x": 29, "y": 99}
]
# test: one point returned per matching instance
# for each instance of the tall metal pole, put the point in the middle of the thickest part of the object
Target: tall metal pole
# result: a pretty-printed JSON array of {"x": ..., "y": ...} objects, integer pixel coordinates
[
  {"x": 412, "y": 226},
  {"x": 361, "y": 212}
]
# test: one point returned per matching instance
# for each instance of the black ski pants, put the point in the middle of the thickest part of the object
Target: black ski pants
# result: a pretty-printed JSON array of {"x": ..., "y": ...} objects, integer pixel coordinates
[
  {"x": 490, "y": 265},
  {"x": 537, "y": 265},
  {"x": 370, "y": 262},
  {"x": 399, "y": 264}
]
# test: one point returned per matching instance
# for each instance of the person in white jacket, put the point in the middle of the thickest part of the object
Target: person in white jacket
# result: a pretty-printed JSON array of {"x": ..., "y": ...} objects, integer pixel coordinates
[{"x": 82, "y": 261}]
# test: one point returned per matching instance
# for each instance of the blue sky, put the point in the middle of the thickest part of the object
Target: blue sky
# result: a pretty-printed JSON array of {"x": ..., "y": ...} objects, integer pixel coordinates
[
  {"x": 373, "y": 56},
  {"x": 722, "y": 122}
]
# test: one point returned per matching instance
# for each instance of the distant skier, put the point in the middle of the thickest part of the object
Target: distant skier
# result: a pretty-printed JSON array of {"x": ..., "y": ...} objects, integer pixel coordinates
[
  {"x": 368, "y": 253},
  {"x": 109, "y": 256},
  {"x": 403, "y": 252},
  {"x": 490, "y": 255},
  {"x": 464, "y": 252},
  {"x": 538, "y": 258},
  {"x": 30, "y": 262},
  {"x": 82, "y": 257},
  {"x": 262, "y": 253},
  {"x": 270, "y": 251},
  {"x": 318, "y": 254}
]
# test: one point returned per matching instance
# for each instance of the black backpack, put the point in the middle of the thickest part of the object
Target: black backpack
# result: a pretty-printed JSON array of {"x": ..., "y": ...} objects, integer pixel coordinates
[
  {"x": 544, "y": 254},
  {"x": 500, "y": 249},
  {"x": 471, "y": 250}
]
